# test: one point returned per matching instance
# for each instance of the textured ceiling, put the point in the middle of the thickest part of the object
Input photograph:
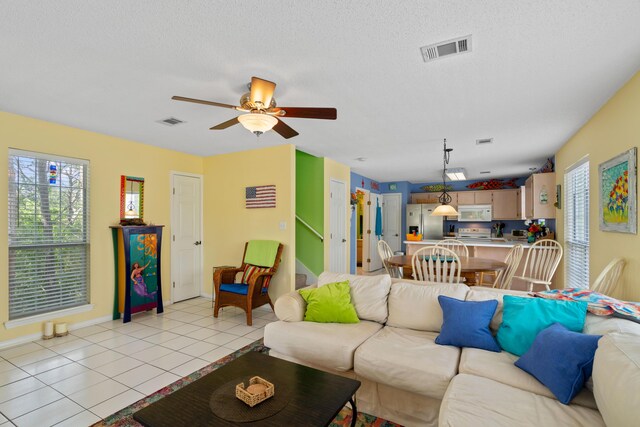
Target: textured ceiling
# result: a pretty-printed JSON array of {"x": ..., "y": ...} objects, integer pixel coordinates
[{"x": 538, "y": 71}]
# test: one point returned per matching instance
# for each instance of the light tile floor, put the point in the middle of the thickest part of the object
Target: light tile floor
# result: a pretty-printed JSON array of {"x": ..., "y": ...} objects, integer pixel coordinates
[{"x": 95, "y": 371}]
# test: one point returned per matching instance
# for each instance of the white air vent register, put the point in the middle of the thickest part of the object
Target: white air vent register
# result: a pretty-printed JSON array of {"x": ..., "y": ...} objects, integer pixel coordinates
[{"x": 446, "y": 48}]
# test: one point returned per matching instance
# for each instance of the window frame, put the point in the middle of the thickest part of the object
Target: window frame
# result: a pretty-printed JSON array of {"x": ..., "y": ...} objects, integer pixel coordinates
[
  {"x": 83, "y": 240},
  {"x": 573, "y": 240}
]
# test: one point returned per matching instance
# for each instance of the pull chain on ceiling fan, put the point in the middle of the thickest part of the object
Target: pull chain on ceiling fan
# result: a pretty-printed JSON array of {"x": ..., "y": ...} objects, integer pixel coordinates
[{"x": 262, "y": 114}]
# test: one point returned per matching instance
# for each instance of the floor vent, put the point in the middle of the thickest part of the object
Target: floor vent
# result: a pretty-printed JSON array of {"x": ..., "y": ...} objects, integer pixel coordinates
[
  {"x": 171, "y": 121},
  {"x": 446, "y": 48}
]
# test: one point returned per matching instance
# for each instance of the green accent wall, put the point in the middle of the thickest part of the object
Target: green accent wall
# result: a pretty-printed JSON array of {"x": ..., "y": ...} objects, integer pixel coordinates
[{"x": 310, "y": 207}]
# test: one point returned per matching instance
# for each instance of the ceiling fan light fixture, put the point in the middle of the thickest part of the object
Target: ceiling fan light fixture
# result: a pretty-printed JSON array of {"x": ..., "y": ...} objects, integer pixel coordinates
[{"x": 257, "y": 123}]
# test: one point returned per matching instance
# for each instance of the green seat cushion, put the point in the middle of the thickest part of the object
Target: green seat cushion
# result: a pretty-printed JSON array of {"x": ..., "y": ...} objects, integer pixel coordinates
[
  {"x": 524, "y": 318},
  {"x": 330, "y": 303}
]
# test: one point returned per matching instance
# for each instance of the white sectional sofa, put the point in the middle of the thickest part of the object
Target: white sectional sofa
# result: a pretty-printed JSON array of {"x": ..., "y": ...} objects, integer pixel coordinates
[{"x": 408, "y": 379}]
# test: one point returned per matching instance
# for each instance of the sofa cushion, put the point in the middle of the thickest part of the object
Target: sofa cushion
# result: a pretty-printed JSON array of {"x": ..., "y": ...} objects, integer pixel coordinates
[
  {"x": 616, "y": 379},
  {"x": 415, "y": 305},
  {"x": 477, "y": 401},
  {"x": 561, "y": 359},
  {"x": 409, "y": 360},
  {"x": 466, "y": 323},
  {"x": 329, "y": 304},
  {"x": 329, "y": 345},
  {"x": 524, "y": 318},
  {"x": 601, "y": 325},
  {"x": 368, "y": 293},
  {"x": 484, "y": 294},
  {"x": 500, "y": 367}
]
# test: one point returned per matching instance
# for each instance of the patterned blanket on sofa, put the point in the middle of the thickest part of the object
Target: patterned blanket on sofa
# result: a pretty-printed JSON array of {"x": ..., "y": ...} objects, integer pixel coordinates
[{"x": 598, "y": 304}]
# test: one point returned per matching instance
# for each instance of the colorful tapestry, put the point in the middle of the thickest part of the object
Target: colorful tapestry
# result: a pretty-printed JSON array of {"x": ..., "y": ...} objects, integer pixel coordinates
[
  {"x": 598, "y": 304},
  {"x": 263, "y": 196}
]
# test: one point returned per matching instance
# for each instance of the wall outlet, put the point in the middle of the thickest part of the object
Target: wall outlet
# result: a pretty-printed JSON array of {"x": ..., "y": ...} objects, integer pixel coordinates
[{"x": 283, "y": 225}]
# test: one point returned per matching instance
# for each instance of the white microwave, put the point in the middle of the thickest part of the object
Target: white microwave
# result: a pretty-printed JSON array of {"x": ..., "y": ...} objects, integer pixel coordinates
[{"x": 474, "y": 213}]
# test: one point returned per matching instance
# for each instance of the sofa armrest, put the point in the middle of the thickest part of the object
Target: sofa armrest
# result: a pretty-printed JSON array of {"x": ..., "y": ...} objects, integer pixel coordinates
[{"x": 291, "y": 307}]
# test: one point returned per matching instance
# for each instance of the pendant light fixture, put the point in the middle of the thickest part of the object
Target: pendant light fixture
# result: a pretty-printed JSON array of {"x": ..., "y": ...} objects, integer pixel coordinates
[
  {"x": 257, "y": 123},
  {"x": 445, "y": 209}
]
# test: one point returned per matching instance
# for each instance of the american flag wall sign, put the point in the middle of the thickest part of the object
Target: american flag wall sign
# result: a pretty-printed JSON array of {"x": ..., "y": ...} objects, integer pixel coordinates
[{"x": 263, "y": 196}]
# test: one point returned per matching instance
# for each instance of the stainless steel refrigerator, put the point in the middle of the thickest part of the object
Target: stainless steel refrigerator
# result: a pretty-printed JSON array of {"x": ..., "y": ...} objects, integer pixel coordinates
[{"x": 419, "y": 218}]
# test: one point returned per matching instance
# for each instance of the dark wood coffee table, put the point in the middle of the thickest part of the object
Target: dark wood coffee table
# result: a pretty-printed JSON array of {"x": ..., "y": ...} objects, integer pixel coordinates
[{"x": 314, "y": 397}]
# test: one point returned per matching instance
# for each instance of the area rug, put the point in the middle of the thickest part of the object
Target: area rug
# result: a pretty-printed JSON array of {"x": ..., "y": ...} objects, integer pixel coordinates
[{"x": 124, "y": 417}]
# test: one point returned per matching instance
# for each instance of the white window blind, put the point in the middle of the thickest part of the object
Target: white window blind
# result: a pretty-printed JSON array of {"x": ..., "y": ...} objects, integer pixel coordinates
[
  {"x": 48, "y": 233},
  {"x": 576, "y": 225}
]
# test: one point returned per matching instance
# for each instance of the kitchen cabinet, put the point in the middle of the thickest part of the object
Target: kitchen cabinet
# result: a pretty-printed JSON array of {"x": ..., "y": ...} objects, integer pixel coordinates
[
  {"x": 425, "y": 198},
  {"x": 506, "y": 204},
  {"x": 474, "y": 197},
  {"x": 540, "y": 194}
]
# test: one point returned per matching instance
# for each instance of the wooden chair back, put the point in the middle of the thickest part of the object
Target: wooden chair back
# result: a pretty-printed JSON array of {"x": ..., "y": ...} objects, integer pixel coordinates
[
  {"x": 503, "y": 281},
  {"x": 436, "y": 264},
  {"x": 608, "y": 280},
  {"x": 385, "y": 252},
  {"x": 542, "y": 260},
  {"x": 454, "y": 245}
]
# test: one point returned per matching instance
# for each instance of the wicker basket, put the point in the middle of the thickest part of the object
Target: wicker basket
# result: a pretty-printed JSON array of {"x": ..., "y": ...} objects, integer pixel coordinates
[{"x": 253, "y": 399}]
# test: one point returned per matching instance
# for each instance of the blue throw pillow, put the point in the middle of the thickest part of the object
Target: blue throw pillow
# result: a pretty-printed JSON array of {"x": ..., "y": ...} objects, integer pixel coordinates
[
  {"x": 561, "y": 359},
  {"x": 466, "y": 323},
  {"x": 524, "y": 318}
]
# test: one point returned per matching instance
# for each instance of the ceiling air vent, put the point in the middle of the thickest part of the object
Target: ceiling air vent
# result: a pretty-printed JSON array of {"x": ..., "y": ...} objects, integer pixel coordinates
[
  {"x": 484, "y": 172},
  {"x": 171, "y": 121},
  {"x": 446, "y": 48},
  {"x": 484, "y": 141}
]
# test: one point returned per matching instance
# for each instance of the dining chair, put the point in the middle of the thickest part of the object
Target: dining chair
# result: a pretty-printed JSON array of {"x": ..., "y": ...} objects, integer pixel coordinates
[
  {"x": 608, "y": 280},
  {"x": 385, "y": 252},
  {"x": 436, "y": 264},
  {"x": 541, "y": 263},
  {"x": 454, "y": 245},
  {"x": 502, "y": 279},
  {"x": 513, "y": 258}
]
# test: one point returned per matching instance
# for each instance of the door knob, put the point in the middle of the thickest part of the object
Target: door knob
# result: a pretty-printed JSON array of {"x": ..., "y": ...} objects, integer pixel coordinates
[
  {"x": 396, "y": 235},
  {"x": 199, "y": 242},
  {"x": 344, "y": 240}
]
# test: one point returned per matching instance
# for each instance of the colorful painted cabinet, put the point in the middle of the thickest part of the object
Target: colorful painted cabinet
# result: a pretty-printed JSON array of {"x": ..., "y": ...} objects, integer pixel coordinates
[{"x": 138, "y": 284}]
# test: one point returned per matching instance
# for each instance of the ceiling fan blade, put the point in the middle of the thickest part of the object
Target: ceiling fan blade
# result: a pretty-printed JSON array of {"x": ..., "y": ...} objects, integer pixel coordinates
[
  {"x": 226, "y": 124},
  {"x": 200, "y": 101},
  {"x": 284, "y": 130},
  {"x": 262, "y": 91},
  {"x": 310, "y": 113}
]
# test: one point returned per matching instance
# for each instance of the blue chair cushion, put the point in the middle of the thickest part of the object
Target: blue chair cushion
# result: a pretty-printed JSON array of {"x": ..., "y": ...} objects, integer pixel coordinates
[{"x": 237, "y": 288}]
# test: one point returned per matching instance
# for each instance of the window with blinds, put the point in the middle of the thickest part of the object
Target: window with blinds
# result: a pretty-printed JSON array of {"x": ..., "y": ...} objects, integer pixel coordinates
[
  {"x": 576, "y": 225},
  {"x": 48, "y": 233}
]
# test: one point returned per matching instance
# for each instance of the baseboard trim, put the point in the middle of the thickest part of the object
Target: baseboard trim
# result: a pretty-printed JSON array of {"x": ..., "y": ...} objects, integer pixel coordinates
[
  {"x": 207, "y": 296},
  {"x": 37, "y": 336}
]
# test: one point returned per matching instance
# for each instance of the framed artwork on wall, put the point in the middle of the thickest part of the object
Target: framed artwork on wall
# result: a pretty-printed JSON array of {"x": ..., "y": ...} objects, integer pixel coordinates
[{"x": 618, "y": 195}]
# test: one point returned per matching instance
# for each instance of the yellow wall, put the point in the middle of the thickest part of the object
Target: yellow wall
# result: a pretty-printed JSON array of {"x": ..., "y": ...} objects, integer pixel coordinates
[
  {"x": 611, "y": 131},
  {"x": 339, "y": 172},
  {"x": 228, "y": 224},
  {"x": 109, "y": 158}
]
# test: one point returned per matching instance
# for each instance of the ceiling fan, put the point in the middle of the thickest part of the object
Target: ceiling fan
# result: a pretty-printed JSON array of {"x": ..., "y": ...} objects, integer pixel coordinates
[{"x": 262, "y": 114}]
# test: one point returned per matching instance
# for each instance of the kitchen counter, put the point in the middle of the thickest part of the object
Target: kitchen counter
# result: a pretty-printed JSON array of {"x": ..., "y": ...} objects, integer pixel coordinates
[{"x": 488, "y": 243}]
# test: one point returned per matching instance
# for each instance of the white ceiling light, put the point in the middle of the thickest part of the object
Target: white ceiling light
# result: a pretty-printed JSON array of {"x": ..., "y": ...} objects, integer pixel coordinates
[
  {"x": 456, "y": 174},
  {"x": 257, "y": 123}
]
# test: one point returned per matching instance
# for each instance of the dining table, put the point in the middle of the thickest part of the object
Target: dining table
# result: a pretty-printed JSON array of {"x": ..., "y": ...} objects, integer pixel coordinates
[{"x": 469, "y": 266}]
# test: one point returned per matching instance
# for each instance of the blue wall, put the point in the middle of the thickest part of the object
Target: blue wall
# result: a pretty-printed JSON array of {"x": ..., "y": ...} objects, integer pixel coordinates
[{"x": 358, "y": 181}]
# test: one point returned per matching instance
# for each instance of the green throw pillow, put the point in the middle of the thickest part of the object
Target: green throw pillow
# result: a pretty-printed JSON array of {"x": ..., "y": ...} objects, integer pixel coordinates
[
  {"x": 524, "y": 318},
  {"x": 330, "y": 304}
]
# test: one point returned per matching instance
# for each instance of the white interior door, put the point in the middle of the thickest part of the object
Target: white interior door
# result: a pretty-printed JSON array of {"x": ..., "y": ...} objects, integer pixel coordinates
[
  {"x": 392, "y": 215},
  {"x": 186, "y": 238},
  {"x": 373, "y": 262},
  {"x": 338, "y": 227}
]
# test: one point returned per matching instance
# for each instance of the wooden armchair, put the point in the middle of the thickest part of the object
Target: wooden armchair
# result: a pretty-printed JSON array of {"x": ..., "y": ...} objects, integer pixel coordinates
[{"x": 252, "y": 293}]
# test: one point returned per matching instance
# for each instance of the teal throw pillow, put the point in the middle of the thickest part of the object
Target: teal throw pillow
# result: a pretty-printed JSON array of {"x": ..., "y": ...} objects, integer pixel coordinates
[
  {"x": 524, "y": 318},
  {"x": 330, "y": 303}
]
